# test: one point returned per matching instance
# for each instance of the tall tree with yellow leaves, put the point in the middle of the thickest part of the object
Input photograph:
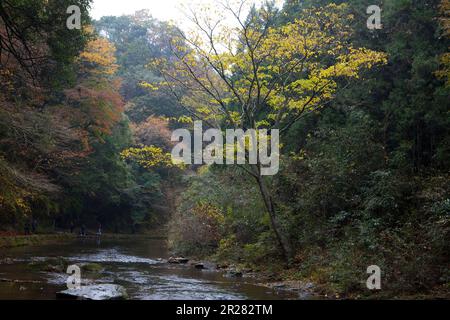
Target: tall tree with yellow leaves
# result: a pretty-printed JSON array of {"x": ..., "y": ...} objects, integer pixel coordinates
[{"x": 255, "y": 75}]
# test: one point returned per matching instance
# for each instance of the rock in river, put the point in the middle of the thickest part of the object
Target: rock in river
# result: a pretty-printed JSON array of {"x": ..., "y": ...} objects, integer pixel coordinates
[
  {"x": 200, "y": 266},
  {"x": 179, "y": 260},
  {"x": 233, "y": 274},
  {"x": 95, "y": 292}
]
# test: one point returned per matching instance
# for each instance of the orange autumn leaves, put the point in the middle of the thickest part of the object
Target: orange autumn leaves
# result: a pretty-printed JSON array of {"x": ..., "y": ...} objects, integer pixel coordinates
[
  {"x": 99, "y": 58},
  {"x": 96, "y": 102}
]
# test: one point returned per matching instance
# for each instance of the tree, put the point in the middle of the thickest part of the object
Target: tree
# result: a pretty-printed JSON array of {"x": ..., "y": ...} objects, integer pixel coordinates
[
  {"x": 95, "y": 103},
  {"x": 139, "y": 38},
  {"x": 154, "y": 131},
  {"x": 34, "y": 34},
  {"x": 444, "y": 73},
  {"x": 36, "y": 57},
  {"x": 257, "y": 75},
  {"x": 62, "y": 126}
]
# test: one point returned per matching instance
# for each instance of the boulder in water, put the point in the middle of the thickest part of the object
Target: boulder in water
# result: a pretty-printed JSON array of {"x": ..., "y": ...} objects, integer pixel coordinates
[
  {"x": 95, "y": 292},
  {"x": 200, "y": 266},
  {"x": 179, "y": 260},
  {"x": 204, "y": 265},
  {"x": 233, "y": 274}
]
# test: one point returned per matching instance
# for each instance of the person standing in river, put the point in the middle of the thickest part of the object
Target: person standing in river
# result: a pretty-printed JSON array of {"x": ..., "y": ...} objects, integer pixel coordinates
[
  {"x": 33, "y": 226},
  {"x": 27, "y": 228},
  {"x": 83, "y": 230}
]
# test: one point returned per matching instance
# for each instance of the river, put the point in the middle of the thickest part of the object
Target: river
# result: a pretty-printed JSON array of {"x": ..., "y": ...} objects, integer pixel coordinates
[{"x": 138, "y": 265}]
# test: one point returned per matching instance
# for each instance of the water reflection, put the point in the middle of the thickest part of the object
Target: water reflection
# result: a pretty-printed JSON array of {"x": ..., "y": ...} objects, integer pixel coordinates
[{"x": 137, "y": 265}]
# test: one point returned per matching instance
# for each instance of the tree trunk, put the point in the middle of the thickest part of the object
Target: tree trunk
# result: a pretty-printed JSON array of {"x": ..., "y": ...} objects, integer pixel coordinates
[{"x": 270, "y": 206}]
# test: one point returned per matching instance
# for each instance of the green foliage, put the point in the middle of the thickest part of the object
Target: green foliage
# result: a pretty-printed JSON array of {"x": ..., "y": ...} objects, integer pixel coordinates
[
  {"x": 365, "y": 181},
  {"x": 242, "y": 213},
  {"x": 139, "y": 38},
  {"x": 148, "y": 157},
  {"x": 39, "y": 27},
  {"x": 62, "y": 127}
]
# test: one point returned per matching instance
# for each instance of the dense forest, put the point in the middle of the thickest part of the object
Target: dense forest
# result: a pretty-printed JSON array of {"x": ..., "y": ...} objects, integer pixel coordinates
[{"x": 87, "y": 117}]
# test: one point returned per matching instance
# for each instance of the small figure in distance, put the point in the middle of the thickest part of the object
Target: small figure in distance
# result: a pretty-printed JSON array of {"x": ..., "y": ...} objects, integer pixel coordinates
[
  {"x": 33, "y": 225},
  {"x": 83, "y": 230},
  {"x": 27, "y": 228}
]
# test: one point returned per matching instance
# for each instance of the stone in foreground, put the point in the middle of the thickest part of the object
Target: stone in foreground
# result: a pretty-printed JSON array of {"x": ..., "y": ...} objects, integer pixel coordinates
[{"x": 95, "y": 292}]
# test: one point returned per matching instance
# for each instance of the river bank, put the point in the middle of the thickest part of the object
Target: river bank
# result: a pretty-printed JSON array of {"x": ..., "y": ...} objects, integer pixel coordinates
[
  {"x": 284, "y": 280},
  {"x": 264, "y": 278},
  {"x": 14, "y": 240}
]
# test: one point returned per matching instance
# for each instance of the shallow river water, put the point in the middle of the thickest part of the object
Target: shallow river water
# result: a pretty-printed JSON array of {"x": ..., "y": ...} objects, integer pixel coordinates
[{"x": 137, "y": 265}]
